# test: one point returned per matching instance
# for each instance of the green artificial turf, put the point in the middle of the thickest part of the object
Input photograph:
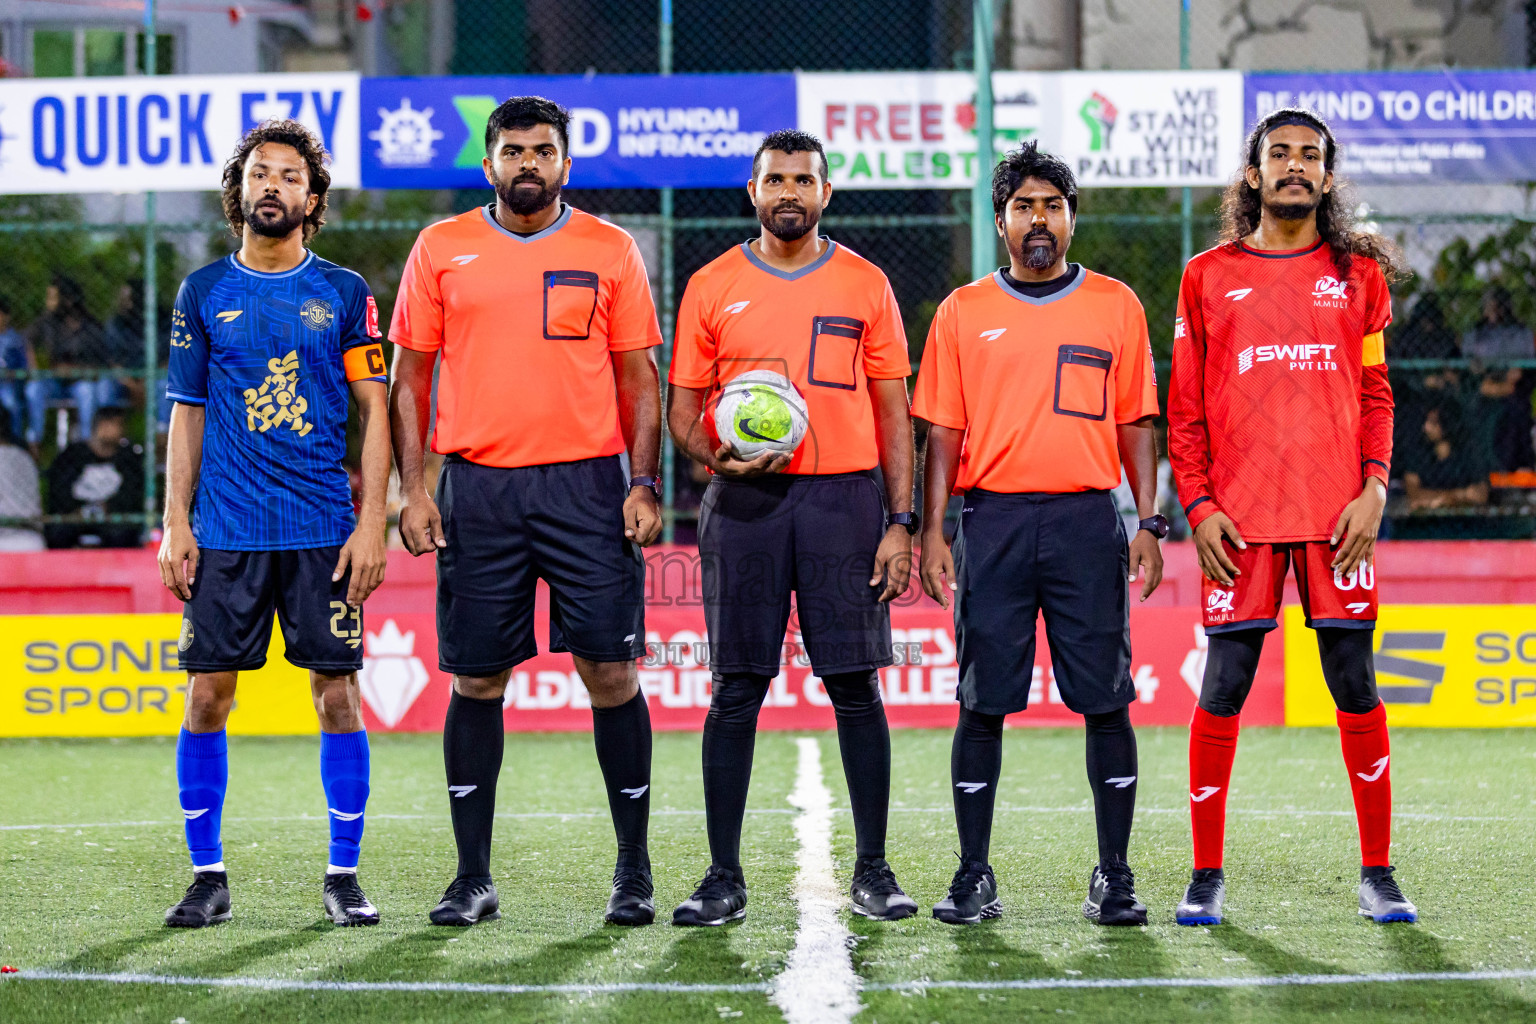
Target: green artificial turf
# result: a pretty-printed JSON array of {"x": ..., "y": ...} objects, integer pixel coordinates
[{"x": 86, "y": 892}]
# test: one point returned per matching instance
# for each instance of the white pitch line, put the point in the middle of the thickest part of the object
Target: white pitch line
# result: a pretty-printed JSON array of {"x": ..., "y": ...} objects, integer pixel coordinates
[
  {"x": 1263, "y": 981},
  {"x": 553, "y": 815},
  {"x": 304, "y": 985},
  {"x": 681, "y": 988},
  {"x": 1253, "y": 811},
  {"x": 818, "y": 985},
  {"x": 677, "y": 813}
]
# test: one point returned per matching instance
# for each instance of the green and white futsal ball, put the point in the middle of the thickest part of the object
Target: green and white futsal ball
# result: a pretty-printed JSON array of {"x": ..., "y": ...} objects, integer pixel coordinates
[{"x": 761, "y": 411}]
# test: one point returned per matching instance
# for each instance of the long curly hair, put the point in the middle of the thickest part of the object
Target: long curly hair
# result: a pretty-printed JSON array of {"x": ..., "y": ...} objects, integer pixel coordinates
[
  {"x": 1241, "y": 205},
  {"x": 287, "y": 133}
]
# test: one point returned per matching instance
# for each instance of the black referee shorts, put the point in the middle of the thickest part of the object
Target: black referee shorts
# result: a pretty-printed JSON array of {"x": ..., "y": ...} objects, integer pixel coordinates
[
  {"x": 1064, "y": 554},
  {"x": 562, "y": 522},
  {"x": 227, "y": 624},
  {"x": 765, "y": 538}
]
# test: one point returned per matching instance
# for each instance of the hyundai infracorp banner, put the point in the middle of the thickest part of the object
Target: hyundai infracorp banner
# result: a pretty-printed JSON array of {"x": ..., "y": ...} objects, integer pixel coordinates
[
  {"x": 627, "y": 131},
  {"x": 1417, "y": 126},
  {"x": 168, "y": 134}
]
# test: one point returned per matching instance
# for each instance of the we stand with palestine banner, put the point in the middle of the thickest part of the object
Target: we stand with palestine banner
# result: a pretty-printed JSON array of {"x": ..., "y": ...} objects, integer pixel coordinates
[
  {"x": 903, "y": 130},
  {"x": 883, "y": 130}
]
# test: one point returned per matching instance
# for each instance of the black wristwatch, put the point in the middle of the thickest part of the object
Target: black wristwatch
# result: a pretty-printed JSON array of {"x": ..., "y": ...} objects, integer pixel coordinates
[
  {"x": 907, "y": 519},
  {"x": 1156, "y": 525},
  {"x": 653, "y": 482}
]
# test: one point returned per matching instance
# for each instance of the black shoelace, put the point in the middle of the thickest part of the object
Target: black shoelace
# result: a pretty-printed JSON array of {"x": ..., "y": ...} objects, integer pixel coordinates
[
  {"x": 347, "y": 892},
  {"x": 966, "y": 880},
  {"x": 1203, "y": 890},
  {"x": 1120, "y": 880},
  {"x": 1386, "y": 887},
  {"x": 877, "y": 877},
  {"x": 203, "y": 888},
  {"x": 465, "y": 888},
  {"x": 633, "y": 882},
  {"x": 718, "y": 884}
]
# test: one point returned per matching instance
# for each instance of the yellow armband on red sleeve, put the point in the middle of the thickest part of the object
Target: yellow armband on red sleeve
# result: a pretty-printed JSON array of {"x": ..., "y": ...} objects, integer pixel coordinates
[{"x": 1374, "y": 350}]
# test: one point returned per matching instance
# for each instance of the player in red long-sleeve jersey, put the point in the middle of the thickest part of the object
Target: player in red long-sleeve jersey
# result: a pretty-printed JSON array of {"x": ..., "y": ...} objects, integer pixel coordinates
[{"x": 1280, "y": 435}]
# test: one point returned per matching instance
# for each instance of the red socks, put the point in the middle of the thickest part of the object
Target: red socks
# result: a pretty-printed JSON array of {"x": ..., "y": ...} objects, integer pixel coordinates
[
  {"x": 1367, "y": 755},
  {"x": 1212, "y": 745}
]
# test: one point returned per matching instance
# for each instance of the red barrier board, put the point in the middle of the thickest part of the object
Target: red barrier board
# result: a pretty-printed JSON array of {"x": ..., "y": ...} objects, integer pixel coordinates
[{"x": 405, "y": 691}]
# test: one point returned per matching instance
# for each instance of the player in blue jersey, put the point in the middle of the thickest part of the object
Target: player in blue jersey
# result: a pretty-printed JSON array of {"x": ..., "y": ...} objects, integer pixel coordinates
[{"x": 267, "y": 347}]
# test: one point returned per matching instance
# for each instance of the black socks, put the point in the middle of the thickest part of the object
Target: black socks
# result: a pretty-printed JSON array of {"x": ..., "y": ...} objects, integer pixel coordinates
[
  {"x": 730, "y": 736},
  {"x": 1112, "y": 776},
  {"x": 473, "y": 738},
  {"x": 864, "y": 739},
  {"x": 975, "y": 761},
  {"x": 622, "y": 736}
]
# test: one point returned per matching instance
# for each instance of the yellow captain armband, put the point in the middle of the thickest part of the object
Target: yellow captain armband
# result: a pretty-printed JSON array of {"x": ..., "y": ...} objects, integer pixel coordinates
[
  {"x": 1373, "y": 350},
  {"x": 365, "y": 362}
]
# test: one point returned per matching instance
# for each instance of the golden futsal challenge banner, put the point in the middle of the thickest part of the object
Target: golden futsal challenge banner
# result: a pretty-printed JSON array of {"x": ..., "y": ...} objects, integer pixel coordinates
[
  {"x": 1436, "y": 665},
  {"x": 118, "y": 675}
]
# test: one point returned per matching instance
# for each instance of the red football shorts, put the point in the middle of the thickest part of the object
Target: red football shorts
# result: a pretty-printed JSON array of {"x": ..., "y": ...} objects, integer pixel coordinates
[{"x": 1328, "y": 598}]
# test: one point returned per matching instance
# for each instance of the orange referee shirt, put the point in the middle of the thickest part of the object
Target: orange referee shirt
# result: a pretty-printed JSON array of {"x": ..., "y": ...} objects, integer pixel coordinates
[
  {"x": 1038, "y": 384},
  {"x": 829, "y": 327},
  {"x": 525, "y": 325}
]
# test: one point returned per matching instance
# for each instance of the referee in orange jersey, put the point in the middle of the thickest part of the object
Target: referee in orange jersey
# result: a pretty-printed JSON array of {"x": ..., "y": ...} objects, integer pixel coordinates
[
  {"x": 543, "y": 320},
  {"x": 1038, "y": 383},
  {"x": 813, "y": 525}
]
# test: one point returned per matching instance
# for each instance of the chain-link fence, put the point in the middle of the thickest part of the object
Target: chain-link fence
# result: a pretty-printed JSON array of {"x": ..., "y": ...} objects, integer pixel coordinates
[{"x": 82, "y": 429}]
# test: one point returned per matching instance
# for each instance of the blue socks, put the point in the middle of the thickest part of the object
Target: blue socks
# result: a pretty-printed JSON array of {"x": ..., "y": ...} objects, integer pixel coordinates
[
  {"x": 344, "y": 774},
  {"x": 202, "y": 775}
]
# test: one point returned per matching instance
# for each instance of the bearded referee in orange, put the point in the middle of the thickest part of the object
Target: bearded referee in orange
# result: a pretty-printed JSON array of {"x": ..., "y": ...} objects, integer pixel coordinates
[
  {"x": 543, "y": 319},
  {"x": 814, "y": 525},
  {"x": 1038, "y": 382}
]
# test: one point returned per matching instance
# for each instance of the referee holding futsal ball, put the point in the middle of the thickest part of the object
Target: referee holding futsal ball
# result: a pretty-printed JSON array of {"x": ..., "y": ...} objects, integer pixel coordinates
[
  {"x": 813, "y": 525},
  {"x": 1038, "y": 383},
  {"x": 543, "y": 318}
]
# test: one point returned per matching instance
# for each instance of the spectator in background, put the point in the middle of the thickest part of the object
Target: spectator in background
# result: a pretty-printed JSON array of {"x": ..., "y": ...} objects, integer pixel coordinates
[
  {"x": 1508, "y": 397},
  {"x": 1441, "y": 470},
  {"x": 1425, "y": 334},
  {"x": 1498, "y": 335},
  {"x": 73, "y": 343},
  {"x": 125, "y": 349},
  {"x": 94, "y": 478},
  {"x": 15, "y": 354},
  {"x": 19, "y": 497}
]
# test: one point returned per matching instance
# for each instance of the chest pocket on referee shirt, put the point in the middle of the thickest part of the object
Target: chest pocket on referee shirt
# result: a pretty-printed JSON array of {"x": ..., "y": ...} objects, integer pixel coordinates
[
  {"x": 1082, "y": 381},
  {"x": 835, "y": 344},
  {"x": 570, "y": 300}
]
